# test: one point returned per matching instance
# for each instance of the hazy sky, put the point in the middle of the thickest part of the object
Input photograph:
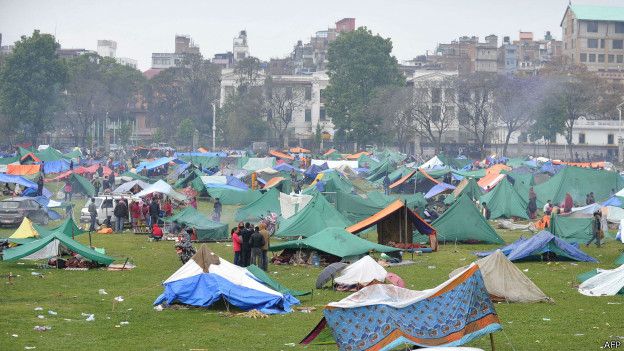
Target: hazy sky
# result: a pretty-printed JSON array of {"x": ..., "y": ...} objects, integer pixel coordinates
[{"x": 141, "y": 27}]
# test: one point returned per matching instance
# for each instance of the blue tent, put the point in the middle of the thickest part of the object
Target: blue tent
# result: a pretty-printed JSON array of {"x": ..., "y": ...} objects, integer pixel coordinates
[
  {"x": 543, "y": 242},
  {"x": 285, "y": 167},
  {"x": 551, "y": 168},
  {"x": 155, "y": 163},
  {"x": 314, "y": 170},
  {"x": 224, "y": 182},
  {"x": 438, "y": 189},
  {"x": 614, "y": 201},
  {"x": 57, "y": 166},
  {"x": 15, "y": 179}
]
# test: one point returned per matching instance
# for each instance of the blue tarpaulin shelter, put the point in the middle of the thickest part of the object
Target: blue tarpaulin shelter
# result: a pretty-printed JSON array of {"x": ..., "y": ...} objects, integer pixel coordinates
[{"x": 15, "y": 179}]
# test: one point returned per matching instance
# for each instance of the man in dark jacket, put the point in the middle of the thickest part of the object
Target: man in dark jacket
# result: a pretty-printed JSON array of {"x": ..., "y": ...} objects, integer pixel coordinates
[
  {"x": 256, "y": 242},
  {"x": 596, "y": 229},
  {"x": 93, "y": 215},
  {"x": 154, "y": 211},
  {"x": 40, "y": 186},
  {"x": 121, "y": 213},
  {"x": 245, "y": 244}
]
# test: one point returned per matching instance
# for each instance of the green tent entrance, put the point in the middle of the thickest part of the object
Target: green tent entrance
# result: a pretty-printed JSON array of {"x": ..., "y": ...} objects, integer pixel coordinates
[{"x": 504, "y": 201}]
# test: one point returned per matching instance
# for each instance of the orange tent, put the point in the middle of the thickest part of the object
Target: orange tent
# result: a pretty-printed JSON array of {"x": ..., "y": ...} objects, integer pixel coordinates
[
  {"x": 329, "y": 152},
  {"x": 201, "y": 149},
  {"x": 23, "y": 169},
  {"x": 595, "y": 165},
  {"x": 356, "y": 156},
  {"x": 543, "y": 223},
  {"x": 410, "y": 175},
  {"x": 281, "y": 155},
  {"x": 493, "y": 176},
  {"x": 273, "y": 182},
  {"x": 299, "y": 150}
]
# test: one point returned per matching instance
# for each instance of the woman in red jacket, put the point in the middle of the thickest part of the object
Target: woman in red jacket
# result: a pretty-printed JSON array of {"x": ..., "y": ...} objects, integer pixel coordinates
[
  {"x": 135, "y": 214},
  {"x": 236, "y": 244},
  {"x": 168, "y": 208}
]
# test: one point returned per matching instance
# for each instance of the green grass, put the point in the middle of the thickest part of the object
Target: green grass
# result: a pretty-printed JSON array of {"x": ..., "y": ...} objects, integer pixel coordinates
[{"x": 576, "y": 322}]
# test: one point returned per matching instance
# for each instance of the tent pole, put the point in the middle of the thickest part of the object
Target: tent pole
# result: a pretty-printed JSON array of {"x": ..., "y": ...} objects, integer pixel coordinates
[{"x": 492, "y": 341}]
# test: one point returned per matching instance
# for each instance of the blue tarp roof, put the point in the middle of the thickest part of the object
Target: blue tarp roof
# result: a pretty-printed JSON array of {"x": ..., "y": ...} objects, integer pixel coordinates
[
  {"x": 57, "y": 166},
  {"x": 540, "y": 243},
  {"x": 314, "y": 170},
  {"x": 438, "y": 189},
  {"x": 285, "y": 167},
  {"x": 156, "y": 163},
  {"x": 15, "y": 179},
  {"x": 615, "y": 201},
  {"x": 200, "y": 154}
]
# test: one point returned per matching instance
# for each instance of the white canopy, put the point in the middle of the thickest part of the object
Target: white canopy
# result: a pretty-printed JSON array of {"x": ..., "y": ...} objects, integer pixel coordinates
[
  {"x": 163, "y": 188},
  {"x": 291, "y": 204},
  {"x": 125, "y": 187},
  {"x": 433, "y": 162},
  {"x": 607, "y": 282},
  {"x": 335, "y": 164},
  {"x": 363, "y": 272}
]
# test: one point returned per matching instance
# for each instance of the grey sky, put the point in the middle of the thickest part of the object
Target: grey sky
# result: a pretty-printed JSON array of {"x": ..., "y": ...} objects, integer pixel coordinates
[{"x": 141, "y": 27}]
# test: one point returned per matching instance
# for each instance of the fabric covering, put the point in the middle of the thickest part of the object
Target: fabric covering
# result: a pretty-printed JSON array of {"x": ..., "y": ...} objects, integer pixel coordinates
[
  {"x": 23, "y": 169},
  {"x": 316, "y": 216},
  {"x": 268, "y": 202},
  {"x": 234, "y": 197},
  {"x": 361, "y": 272},
  {"x": 607, "y": 282},
  {"x": 570, "y": 229},
  {"x": 467, "y": 186},
  {"x": 81, "y": 185},
  {"x": 451, "y": 314},
  {"x": 206, "y": 229},
  {"x": 462, "y": 222},
  {"x": 16, "y": 179},
  {"x": 265, "y": 279},
  {"x": 207, "y": 278},
  {"x": 125, "y": 187},
  {"x": 254, "y": 163},
  {"x": 335, "y": 241},
  {"x": 161, "y": 187},
  {"x": 505, "y": 201},
  {"x": 331, "y": 164},
  {"x": 148, "y": 165},
  {"x": 578, "y": 182},
  {"x": 290, "y": 205},
  {"x": 506, "y": 282}
]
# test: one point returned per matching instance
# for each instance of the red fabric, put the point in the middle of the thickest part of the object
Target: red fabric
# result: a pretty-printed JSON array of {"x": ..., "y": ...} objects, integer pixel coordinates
[
  {"x": 568, "y": 203},
  {"x": 156, "y": 231},
  {"x": 135, "y": 210},
  {"x": 168, "y": 209},
  {"x": 145, "y": 210},
  {"x": 236, "y": 241}
]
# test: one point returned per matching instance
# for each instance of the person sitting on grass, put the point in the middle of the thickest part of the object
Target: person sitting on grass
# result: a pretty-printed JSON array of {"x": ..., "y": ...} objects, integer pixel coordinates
[{"x": 157, "y": 232}]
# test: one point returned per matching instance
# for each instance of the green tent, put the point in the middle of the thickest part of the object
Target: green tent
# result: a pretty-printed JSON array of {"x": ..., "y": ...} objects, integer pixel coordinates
[
  {"x": 335, "y": 241},
  {"x": 504, "y": 201},
  {"x": 456, "y": 163},
  {"x": 23, "y": 151},
  {"x": 515, "y": 162},
  {"x": 266, "y": 280},
  {"x": 334, "y": 155},
  {"x": 356, "y": 208},
  {"x": 269, "y": 201},
  {"x": 416, "y": 202},
  {"x": 571, "y": 229},
  {"x": 9, "y": 160},
  {"x": 206, "y": 229},
  {"x": 523, "y": 182},
  {"x": 390, "y": 155},
  {"x": 234, "y": 197},
  {"x": 317, "y": 215},
  {"x": 463, "y": 222},
  {"x": 334, "y": 183},
  {"x": 74, "y": 154},
  {"x": 63, "y": 239},
  {"x": 380, "y": 170},
  {"x": 396, "y": 174},
  {"x": 67, "y": 228},
  {"x": 579, "y": 182},
  {"x": 241, "y": 161},
  {"x": 193, "y": 179},
  {"x": 366, "y": 161},
  {"x": 204, "y": 161},
  {"x": 135, "y": 176},
  {"x": 81, "y": 185},
  {"x": 478, "y": 174},
  {"x": 467, "y": 186},
  {"x": 49, "y": 154}
]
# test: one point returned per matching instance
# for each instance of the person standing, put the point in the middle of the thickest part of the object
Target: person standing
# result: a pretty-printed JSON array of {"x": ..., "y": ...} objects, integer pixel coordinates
[
  {"x": 596, "y": 230},
  {"x": 486, "y": 211},
  {"x": 256, "y": 242},
  {"x": 245, "y": 234},
  {"x": 216, "y": 216},
  {"x": 97, "y": 184},
  {"x": 236, "y": 244},
  {"x": 532, "y": 205},
  {"x": 71, "y": 165},
  {"x": 568, "y": 203},
  {"x": 93, "y": 213},
  {"x": 40, "y": 185},
  {"x": 265, "y": 248},
  {"x": 68, "y": 191},
  {"x": 119, "y": 212},
  {"x": 168, "y": 208},
  {"x": 386, "y": 184},
  {"x": 135, "y": 214},
  {"x": 100, "y": 170},
  {"x": 154, "y": 211}
]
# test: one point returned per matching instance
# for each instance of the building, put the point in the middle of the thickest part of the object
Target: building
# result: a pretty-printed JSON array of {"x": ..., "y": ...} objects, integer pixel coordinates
[
  {"x": 594, "y": 36},
  {"x": 486, "y": 58},
  {"x": 306, "y": 88},
  {"x": 127, "y": 62},
  {"x": 240, "y": 49},
  {"x": 183, "y": 46},
  {"x": 459, "y": 55},
  {"x": 224, "y": 60},
  {"x": 66, "y": 54},
  {"x": 508, "y": 57},
  {"x": 345, "y": 25},
  {"x": 107, "y": 48}
]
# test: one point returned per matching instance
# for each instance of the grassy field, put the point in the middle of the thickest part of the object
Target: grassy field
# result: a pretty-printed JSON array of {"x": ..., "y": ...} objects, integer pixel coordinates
[{"x": 573, "y": 322}]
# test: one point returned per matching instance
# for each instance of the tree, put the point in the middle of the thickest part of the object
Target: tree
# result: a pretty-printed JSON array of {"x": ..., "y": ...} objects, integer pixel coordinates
[
  {"x": 516, "y": 102},
  {"x": 358, "y": 63},
  {"x": 242, "y": 120},
  {"x": 549, "y": 121},
  {"x": 247, "y": 73},
  {"x": 31, "y": 80},
  {"x": 185, "y": 132},
  {"x": 432, "y": 113},
  {"x": 281, "y": 102},
  {"x": 394, "y": 105},
  {"x": 475, "y": 106}
]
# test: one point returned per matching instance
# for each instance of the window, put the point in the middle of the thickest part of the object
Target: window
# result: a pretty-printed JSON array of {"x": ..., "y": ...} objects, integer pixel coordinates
[
  {"x": 601, "y": 58},
  {"x": 602, "y": 43},
  {"x": 435, "y": 113},
  {"x": 289, "y": 91},
  {"x": 592, "y": 27},
  {"x": 581, "y": 138},
  {"x": 592, "y": 43},
  {"x": 617, "y": 44},
  {"x": 619, "y": 58},
  {"x": 619, "y": 27},
  {"x": 435, "y": 95},
  {"x": 308, "y": 115},
  {"x": 610, "y": 139},
  {"x": 592, "y": 57},
  {"x": 288, "y": 115},
  {"x": 583, "y": 57},
  {"x": 322, "y": 114},
  {"x": 611, "y": 58},
  {"x": 308, "y": 93}
]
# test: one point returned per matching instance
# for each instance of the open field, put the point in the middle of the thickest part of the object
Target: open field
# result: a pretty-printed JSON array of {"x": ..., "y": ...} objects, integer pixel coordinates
[{"x": 573, "y": 322}]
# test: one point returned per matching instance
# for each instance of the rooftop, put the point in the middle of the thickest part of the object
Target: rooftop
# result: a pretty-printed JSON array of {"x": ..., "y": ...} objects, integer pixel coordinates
[{"x": 597, "y": 13}]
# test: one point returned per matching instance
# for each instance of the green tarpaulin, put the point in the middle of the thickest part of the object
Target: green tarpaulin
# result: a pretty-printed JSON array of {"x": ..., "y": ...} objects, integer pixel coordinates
[
  {"x": 366, "y": 161},
  {"x": 504, "y": 201},
  {"x": 67, "y": 228},
  {"x": 193, "y": 180},
  {"x": 9, "y": 160},
  {"x": 522, "y": 182},
  {"x": 579, "y": 182},
  {"x": 269, "y": 201},
  {"x": 206, "y": 229},
  {"x": 81, "y": 185},
  {"x": 478, "y": 174},
  {"x": 205, "y": 161},
  {"x": 467, "y": 186},
  {"x": 256, "y": 163},
  {"x": 334, "y": 182},
  {"x": 356, "y": 208},
  {"x": 335, "y": 241},
  {"x": 455, "y": 163},
  {"x": 316, "y": 216},
  {"x": 49, "y": 154},
  {"x": 390, "y": 155},
  {"x": 396, "y": 174},
  {"x": 266, "y": 280},
  {"x": 462, "y": 222},
  {"x": 135, "y": 176},
  {"x": 416, "y": 202},
  {"x": 571, "y": 229},
  {"x": 234, "y": 197},
  {"x": 75, "y": 154},
  {"x": 380, "y": 171}
]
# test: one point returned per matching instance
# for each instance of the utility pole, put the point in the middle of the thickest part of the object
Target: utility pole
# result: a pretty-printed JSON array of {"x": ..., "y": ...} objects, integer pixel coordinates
[
  {"x": 620, "y": 139},
  {"x": 214, "y": 126}
]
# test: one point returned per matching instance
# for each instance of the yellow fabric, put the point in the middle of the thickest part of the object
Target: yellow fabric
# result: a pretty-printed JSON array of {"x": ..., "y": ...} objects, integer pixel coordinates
[
  {"x": 25, "y": 230},
  {"x": 317, "y": 179}
]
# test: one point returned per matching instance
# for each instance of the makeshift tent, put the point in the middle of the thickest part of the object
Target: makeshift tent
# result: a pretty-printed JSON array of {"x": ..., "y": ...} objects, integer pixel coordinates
[
  {"x": 331, "y": 164},
  {"x": 299, "y": 150},
  {"x": 207, "y": 278},
  {"x": 264, "y": 278},
  {"x": 58, "y": 166},
  {"x": 134, "y": 176},
  {"x": 205, "y": 229},
  {"x": 281, "y": 155},
  {"x": 334, "y": 241},
  {"x": 193, "y": 179},
  {"x": 268, "y": 202},
  {"x": 225, "y": 182},
  {"x": 416, "y": 202},
  {"x": 254, "y": 163},
  {"x": 81, "y": 185},
  {"x": 291, "y": 204},
  {"x": 396, "y": 223},
  {"x": 572, "y": 230},
  {"x": 149, "y": 165},
  {"x": 15, "y": 179},
  {"x": 540, "y": 243},
  {"x": 432, "y": 163},
  {"x": 522, "y": 182},
  {"x": 504, "y": 201},
  {"x": 432, "y": 317},
  {"x": 505, "y": 282},
  {"x": 203, "y": 160},
  {"x": 579, "y": 182},
  {"x": 50, "y": 244},
  {"x": 361, "y": 273},
  {"x": 333, "y": 182},
  {"x": 607, "y": 282},
  {"x": 162, "y": 188},
  {"x": 22, "y": 169},
  {"x": 357, "y": 155},
  {"x": 317, "y": 215},
  {"x": 467, "y": 186},
  {"x": 234, "y": 197},
  {"x": 127, "y": 186},
  {"x": 356, "y": 208},
  {"x": 464, "y": 223},
  {"x": 380, "y": 171},
  {"x": 438, "y": 189},
  {"x": 26, "y": 232}
]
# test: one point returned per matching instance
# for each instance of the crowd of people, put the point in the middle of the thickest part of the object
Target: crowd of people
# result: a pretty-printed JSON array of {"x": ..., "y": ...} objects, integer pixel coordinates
[{"x": 251, "y": 245}]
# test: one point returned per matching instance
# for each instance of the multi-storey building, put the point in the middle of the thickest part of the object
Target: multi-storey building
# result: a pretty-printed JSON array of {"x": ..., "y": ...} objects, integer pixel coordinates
[
  {"x": 594, "y": 36},
  {"x": 240, "y": 49},
  {"x": 183, "y": 46}
]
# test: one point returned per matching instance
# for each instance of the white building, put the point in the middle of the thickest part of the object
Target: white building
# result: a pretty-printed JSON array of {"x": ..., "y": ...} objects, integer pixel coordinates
[
  {"x": 240, "y": 49},
  {"x": 127, "y": 62},
  {"x": 107, "y": 48}
]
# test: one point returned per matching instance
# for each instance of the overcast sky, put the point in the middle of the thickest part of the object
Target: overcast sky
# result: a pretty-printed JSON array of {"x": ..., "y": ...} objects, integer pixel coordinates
[{"x": 141, "y": 27}]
